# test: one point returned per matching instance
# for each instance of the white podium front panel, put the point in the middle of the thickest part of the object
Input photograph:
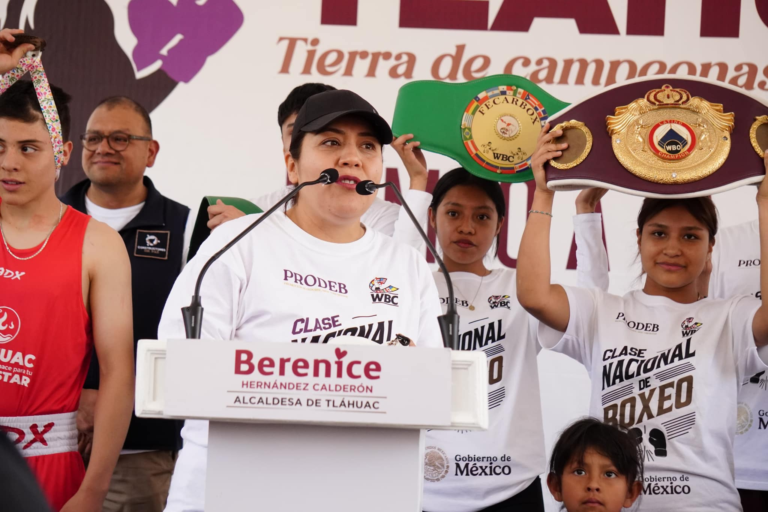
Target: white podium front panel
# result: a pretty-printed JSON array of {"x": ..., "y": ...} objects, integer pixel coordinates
[
  {"x": 332, "y": 385},
  {"x": 296, "y": 468}
]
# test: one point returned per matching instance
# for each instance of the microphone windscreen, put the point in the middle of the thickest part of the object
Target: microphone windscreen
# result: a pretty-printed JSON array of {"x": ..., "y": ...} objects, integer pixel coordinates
[
  {"x": 332, "y": 175},
  {"x": 362, "y": 188}
]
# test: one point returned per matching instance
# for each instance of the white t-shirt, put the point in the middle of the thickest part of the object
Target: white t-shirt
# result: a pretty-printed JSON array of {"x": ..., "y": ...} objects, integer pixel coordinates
[
  {"x": 470, "y": 470},
  {"x": 669, "y": 372},
  {"x": 591, "y": 256},
  {"x": 116, "y": 218},
  {"x": 736, "y": 271},
  {"x": 382, "y": 216},
  {"x": 275, "y": 284},
  {"x": 736, "y": 262}
]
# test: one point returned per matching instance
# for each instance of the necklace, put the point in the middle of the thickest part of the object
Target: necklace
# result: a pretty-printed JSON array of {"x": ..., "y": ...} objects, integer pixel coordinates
[
  {"x": 472, "y": 302},
  {"x": 45, "y": 242}
]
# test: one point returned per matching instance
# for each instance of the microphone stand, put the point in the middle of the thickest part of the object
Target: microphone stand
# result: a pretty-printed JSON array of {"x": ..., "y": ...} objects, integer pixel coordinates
[
  {"x": 193, "y": 314},
  {"x": 449, "y": 322}
]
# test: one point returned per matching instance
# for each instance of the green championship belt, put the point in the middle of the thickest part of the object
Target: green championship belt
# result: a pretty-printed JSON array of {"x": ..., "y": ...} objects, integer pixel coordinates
[
  {"x": 200, "y": 231},
  {"x": 490, "y": 126}
]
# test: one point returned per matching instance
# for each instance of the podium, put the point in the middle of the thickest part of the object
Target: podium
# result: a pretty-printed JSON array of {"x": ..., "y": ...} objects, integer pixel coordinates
[{"x": 300, "y": 427}]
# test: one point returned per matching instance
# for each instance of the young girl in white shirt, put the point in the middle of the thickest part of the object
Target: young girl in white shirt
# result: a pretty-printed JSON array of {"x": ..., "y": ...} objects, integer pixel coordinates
[
  {"x": 664, "y": 364},
  {"x": 498, "y": 469}
]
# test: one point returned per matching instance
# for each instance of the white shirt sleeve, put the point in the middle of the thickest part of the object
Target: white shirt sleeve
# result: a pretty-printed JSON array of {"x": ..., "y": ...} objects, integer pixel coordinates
[
  {"x": 591, "y": 256},
  {"x": 392, "y": 219},
  {"x": 533, "y": 329},
  {"x": 405, "y": 231},
  {"x": 190, "y": 227},
  {"x": 267, "y": 201},
  {"x": 429, "y": 329},
  {"x": 220, "y": 294},
  {"x": 749, "y": 359},
  {"x": 221, "y": 289},
  {"x": 578, "y": 339}
]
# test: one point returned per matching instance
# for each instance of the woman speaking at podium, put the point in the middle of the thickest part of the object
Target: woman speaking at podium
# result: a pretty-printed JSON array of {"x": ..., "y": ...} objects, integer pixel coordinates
[{"x": 311, "y": 273}]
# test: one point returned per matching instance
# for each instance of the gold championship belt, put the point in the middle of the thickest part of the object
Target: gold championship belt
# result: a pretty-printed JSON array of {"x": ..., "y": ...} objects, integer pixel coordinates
[
  {"x": 758, "y": 135},
  {"x": 669, "y": 138}
]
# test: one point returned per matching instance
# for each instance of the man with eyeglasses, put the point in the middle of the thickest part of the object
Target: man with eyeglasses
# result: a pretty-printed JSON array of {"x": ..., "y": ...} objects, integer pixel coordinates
[{"x": 117, "y": 149}]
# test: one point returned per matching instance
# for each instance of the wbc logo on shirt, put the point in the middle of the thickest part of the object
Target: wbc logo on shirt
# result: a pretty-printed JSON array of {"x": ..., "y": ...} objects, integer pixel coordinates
[
  {"x": 690, "y": 327},
  {"x": 381, "y": 293},
  {"x": 498, "y": 301},
  {"x": 10, "y": 323}
]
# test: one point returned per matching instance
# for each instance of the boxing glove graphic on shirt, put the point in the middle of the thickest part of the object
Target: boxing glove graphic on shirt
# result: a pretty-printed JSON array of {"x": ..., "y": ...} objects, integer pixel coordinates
[
  {"x": 656, "y": 438},
  {"x": 659, "y": 441},
  {"x": 760, "y": 379}
]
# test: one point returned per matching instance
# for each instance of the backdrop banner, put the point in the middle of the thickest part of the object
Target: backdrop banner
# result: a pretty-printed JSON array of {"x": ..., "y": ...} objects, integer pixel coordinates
[{"x": 213, "y": 73}]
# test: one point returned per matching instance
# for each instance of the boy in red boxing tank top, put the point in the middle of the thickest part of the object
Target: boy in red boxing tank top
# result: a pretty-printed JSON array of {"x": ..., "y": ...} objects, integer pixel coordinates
[{"x": 65, "y": 289}]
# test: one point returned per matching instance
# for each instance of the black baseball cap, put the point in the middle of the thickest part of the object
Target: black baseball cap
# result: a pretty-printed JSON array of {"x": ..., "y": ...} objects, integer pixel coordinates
[{"x": 322, "y": 109}]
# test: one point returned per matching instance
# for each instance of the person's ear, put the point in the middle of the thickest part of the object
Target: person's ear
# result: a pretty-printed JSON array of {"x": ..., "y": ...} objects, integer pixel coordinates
[
  {"x": 65, "y": 156},
  {"x": 67, "y": 152},
  {"x": 554, "y": 487},
  {"x": 154, "y": 149},
  {"x": 633, "y": 491},
  {"x": 432, "y": 219},
  {"x": 639, "y": 237},
  {"x": 292, "y": 166}
]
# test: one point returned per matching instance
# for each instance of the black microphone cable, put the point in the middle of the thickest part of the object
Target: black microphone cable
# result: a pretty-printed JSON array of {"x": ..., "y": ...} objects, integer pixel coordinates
[
  {"x": 193, "y": 314},
  {"x": 449, "y": 322}
]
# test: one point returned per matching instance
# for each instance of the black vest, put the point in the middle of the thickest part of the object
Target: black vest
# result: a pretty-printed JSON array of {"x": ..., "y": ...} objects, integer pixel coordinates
[{"x": 155, "y": 243}]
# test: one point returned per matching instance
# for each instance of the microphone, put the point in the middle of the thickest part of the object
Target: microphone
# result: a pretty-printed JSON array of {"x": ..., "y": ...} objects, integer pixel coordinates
[
  {"x": 193, "y": 314},
  {"x": 449, "y": 322}
]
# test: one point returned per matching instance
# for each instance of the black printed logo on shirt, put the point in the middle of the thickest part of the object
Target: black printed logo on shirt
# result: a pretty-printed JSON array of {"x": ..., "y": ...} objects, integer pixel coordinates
[
  {"x": 498, "y": 301},
  {"x": 759, "y": 379},
  {"x": 152, "y": 244}
]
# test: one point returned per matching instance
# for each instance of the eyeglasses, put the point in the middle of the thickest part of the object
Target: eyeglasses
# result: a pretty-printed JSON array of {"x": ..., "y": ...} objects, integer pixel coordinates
[{"x": 118, "y": 141}]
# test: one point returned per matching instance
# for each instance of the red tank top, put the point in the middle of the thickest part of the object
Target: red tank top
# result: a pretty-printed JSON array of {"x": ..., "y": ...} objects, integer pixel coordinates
[{"x": 45, "y": 331}]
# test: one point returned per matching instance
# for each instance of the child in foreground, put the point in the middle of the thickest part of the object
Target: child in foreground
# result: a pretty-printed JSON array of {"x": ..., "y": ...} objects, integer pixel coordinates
[{"x": 595, "y": 466}]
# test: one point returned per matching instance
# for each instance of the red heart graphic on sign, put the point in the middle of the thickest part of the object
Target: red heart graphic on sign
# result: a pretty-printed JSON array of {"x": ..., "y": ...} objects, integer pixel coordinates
[{"x": 340, "y": 353}]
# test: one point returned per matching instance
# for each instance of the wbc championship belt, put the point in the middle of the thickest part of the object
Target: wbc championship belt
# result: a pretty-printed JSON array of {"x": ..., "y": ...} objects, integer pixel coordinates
[
  {"x": 670, "y": 137},
  {"x": 490, "y": 126}
]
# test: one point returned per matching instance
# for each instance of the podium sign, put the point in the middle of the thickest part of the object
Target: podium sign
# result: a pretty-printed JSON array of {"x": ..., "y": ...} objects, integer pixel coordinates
[
  {"x": 313, "y": 427},
  {"x": 332, "y": 385}
]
